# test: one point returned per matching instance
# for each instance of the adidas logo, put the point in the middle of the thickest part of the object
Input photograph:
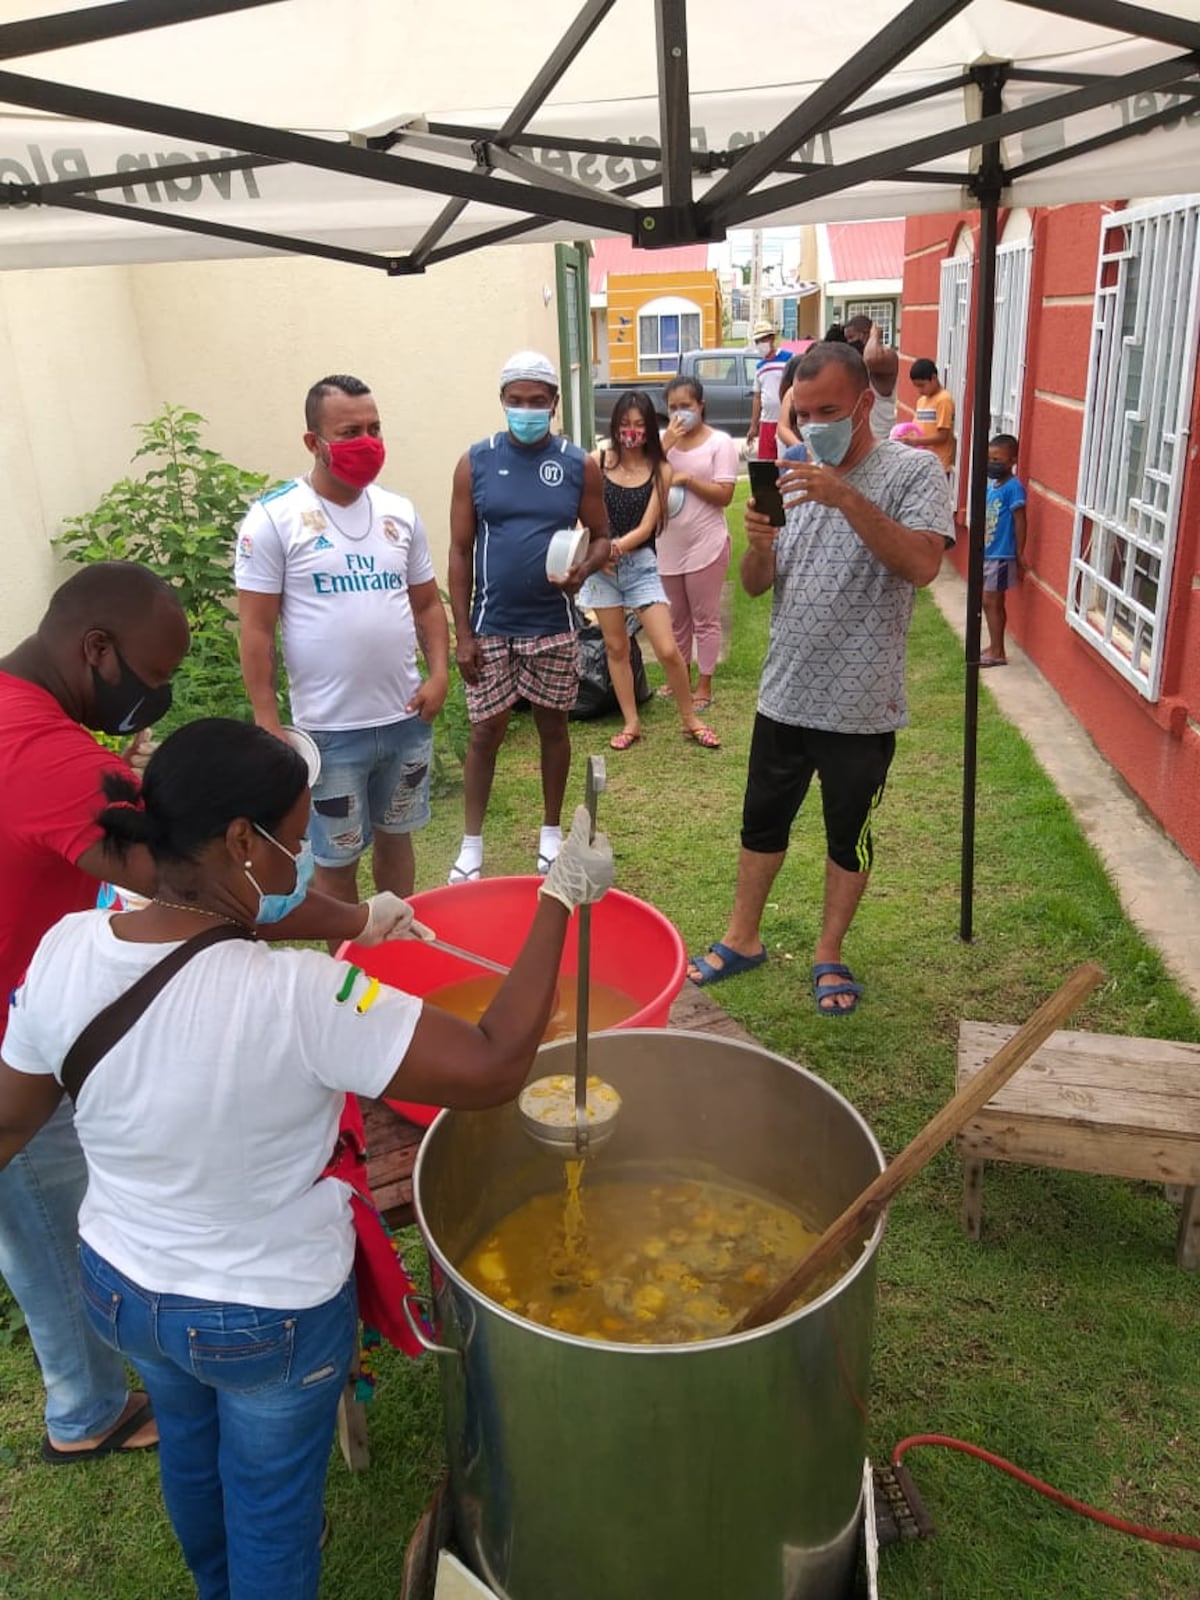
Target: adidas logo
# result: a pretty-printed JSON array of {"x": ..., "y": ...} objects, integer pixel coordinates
[{"x": 323, "y": 543}]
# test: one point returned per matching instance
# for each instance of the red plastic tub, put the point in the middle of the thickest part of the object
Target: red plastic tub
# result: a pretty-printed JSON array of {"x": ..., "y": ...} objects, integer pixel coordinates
[{"x": 634, "y": 948}]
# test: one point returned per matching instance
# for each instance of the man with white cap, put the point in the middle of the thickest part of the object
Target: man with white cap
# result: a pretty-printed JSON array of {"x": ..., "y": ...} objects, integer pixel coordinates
[
  {"x": 514, "y": 624},
  {"x": 764, "y": 411}
]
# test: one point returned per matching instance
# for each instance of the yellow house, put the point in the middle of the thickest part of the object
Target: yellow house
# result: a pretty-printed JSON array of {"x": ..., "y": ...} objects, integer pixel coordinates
[{"x": 648, "y": 307}]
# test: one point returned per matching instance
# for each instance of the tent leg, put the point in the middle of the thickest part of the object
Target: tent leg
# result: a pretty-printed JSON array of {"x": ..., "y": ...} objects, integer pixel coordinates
[{"x": 988, "y": 187}]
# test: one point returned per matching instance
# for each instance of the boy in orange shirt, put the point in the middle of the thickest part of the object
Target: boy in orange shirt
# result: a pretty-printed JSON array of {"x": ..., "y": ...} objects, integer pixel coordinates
[{"x": 934, "y": 414}]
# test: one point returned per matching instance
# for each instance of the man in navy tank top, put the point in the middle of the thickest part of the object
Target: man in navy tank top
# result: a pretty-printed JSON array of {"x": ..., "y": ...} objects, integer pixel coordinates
[{"x": 515, "y": 626}]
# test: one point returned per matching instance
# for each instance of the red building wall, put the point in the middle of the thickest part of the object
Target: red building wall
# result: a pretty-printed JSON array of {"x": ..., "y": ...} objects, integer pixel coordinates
[{"x": 1154, "y": 746}]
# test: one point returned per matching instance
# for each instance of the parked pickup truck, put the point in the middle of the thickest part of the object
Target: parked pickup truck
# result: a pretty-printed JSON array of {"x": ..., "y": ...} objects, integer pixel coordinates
[{"x": 728, "y": 379}]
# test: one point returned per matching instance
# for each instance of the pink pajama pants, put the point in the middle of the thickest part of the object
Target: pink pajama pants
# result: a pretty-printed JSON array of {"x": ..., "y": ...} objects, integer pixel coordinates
[{"x": 696, "y": 611}]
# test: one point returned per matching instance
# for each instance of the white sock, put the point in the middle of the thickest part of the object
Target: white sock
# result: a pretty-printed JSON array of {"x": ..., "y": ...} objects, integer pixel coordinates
[
  {"x": 470, "y": 855},
  {"x": 549, "y": 842}
]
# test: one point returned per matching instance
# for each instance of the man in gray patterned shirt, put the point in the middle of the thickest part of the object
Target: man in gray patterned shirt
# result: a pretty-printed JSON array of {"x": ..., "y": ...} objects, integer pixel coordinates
[{"x": 867, "y": 524}]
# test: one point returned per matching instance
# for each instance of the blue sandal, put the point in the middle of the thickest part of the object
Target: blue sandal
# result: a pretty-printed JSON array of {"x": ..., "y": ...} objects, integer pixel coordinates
[
  {"x": 734, "y": 964},
  {"x": 825, "y": 991}
]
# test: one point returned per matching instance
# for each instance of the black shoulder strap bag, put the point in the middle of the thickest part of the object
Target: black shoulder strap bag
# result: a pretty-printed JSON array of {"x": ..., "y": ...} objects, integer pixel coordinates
[{"x": 111, "y": 1025}]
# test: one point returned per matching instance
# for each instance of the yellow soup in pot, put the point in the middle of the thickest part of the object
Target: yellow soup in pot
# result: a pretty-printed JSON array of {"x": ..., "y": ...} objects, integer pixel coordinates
[
  {"x": 607, "y": 1007},
  {"x": 667, "y": 1260}
]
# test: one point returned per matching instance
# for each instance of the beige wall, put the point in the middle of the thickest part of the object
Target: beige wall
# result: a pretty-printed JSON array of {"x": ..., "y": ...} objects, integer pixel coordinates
[
  {"x": 74, "y": 385},
  {"x": 91, "y": 353}
]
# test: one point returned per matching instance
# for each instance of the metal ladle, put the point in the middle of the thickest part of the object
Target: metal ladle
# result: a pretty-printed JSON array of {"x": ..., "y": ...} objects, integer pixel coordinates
[{"x": 572, "y": 1118}]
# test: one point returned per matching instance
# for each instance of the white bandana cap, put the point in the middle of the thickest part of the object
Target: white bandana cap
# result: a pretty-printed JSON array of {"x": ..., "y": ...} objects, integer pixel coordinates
[{"x": 529, "y": 366}]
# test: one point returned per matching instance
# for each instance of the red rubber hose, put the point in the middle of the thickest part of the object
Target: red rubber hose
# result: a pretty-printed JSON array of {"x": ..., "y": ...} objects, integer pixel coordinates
[{"x": 1178, "y": 1541}]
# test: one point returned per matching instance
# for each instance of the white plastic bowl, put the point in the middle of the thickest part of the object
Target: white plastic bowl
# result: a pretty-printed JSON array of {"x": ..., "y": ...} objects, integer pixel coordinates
[
  {"x": 304, "y": 747},
  {"x": 565, "y": 550}
]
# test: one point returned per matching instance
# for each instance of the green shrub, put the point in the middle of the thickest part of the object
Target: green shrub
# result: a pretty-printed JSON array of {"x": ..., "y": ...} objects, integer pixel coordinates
[{"x": 180, "y": 518}]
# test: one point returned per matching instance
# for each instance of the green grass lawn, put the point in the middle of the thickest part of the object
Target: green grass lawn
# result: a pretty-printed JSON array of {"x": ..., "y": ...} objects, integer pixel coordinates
[{"x": 1066, "y": 1339}]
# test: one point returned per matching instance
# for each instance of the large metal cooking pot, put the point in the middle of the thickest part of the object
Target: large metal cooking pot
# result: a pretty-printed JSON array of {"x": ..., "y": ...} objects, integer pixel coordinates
[{"x": 728, "y": 1470}]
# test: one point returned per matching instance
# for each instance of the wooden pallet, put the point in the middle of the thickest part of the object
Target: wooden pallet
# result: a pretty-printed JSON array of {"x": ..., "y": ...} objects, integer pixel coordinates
[{"x": 1089, "y": 1102}]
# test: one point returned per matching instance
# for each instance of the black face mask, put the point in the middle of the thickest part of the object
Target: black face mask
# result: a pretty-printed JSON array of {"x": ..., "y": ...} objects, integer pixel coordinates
[
  {"x": 127, "y": 705},
  {"x": 997, "y": 471}
]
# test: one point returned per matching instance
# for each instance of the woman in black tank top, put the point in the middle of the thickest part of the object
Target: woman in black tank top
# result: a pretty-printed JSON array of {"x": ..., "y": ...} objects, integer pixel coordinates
[{"x": 636, "y": 481}]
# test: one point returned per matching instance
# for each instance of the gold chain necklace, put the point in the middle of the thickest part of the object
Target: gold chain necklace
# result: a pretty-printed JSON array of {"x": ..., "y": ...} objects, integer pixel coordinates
[{"x": 174, "y": 905}]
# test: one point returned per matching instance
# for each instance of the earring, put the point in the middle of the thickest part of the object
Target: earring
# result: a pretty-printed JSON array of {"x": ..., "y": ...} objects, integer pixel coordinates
[{"x": 249, "y": 864}]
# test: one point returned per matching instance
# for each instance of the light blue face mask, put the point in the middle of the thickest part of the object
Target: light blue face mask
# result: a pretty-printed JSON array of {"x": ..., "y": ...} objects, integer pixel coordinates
[
  {"x": 527, "y": 426},
  {"x": 829, "y": 441},
  {"x": 274, "y": 907}
]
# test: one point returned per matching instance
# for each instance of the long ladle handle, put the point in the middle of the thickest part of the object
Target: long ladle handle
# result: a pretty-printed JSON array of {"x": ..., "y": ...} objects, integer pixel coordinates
[
  {"x": 861, "y": 1213},
  {"x": 594, "y": 783}
]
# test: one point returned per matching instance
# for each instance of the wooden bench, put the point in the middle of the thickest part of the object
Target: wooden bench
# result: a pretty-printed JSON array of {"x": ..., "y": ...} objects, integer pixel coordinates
[{"x": 1089, "y": 1102}]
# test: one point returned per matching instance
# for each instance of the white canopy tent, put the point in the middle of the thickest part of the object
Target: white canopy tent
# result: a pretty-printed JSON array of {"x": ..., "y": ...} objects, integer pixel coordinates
[
  {"x": 546, "y": 116},
  {"x": 396, "y": 135}
]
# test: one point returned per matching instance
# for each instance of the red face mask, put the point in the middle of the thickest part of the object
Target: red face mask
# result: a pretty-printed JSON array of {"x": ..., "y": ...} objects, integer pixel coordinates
[
  {"x": 632, "y": 437},
  {"x": 357, "y": 462}
]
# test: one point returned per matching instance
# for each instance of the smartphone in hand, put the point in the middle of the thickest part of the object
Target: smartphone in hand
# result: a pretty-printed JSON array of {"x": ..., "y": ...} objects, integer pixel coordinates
[{"x": 764, "y": 490}]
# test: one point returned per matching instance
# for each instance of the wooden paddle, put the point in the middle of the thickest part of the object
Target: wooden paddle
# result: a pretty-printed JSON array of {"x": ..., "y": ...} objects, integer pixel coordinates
[{"x": 861, "y": 1213}]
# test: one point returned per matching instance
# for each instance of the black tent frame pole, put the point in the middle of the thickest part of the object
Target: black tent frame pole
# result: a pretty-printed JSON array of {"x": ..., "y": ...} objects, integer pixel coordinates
[
  {"x": 530, "y": 103},
  {"x": 674, "y": 101},
  {"x": 988, "y": 185}
]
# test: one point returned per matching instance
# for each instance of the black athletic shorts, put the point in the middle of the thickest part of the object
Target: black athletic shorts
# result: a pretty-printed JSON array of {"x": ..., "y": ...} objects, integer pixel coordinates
[{"x": 853, "y": 769}]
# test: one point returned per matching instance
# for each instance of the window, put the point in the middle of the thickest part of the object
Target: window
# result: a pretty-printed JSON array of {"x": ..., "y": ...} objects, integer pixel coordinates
[
  {"x": 954, "y": 315},
  {"x": 1139, "y": 395},
  {"x": 666, "y": 328},
  {"x": 881, "y": 312},
  {"x": 717, "y": 369},
  {"x": 1013, "y": 262}
]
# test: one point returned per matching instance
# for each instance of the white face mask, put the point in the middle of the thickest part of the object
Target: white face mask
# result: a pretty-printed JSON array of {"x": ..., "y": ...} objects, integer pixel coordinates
[
  {"x": 763, "y": 346},
  {"x": 685, "y": 419}
]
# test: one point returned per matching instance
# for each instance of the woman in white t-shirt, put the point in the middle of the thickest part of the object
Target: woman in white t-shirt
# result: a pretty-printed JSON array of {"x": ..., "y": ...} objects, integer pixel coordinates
[
  {"x": 694, "y": 548},
  {"x": 213, "y": 1253}
]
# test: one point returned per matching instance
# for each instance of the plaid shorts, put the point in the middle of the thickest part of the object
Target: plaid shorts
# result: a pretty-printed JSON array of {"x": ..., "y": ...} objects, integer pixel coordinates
[{"x": 543, "y": 671}]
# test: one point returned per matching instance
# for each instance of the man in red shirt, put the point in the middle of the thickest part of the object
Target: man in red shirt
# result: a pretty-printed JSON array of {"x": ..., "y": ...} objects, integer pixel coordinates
[{"x": 102, "y": 658}]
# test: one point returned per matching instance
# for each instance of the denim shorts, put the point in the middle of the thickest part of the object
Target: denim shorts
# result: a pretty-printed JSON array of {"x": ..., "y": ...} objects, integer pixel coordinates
[
  {"x": 636, "y": 584},
  {"x": 372, "y": 780}
]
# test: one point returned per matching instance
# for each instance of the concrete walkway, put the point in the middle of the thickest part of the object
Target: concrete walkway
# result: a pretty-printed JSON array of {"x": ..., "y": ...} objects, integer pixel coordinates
[{"x": 1158, "y": 885}]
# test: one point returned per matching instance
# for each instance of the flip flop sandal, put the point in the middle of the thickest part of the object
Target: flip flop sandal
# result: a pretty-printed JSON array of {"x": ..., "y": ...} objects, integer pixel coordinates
[
  {"x": 992, "y": 661},
  {"x": 702, "y": 736},
  {"x": 824, "y": 991},
  {"x": 624, "y": 741},
  {"x": 734, "y": 963},
  {"x": 664, "y": 692},
  {"x": 704, "y": 702},
  {"x": 114, "y": 1443},
  {"x": 471, "y": 875}
]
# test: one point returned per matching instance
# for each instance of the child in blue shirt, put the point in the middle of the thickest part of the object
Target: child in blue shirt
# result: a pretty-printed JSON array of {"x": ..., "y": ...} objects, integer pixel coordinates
[{"x": 1004, "y": 552}]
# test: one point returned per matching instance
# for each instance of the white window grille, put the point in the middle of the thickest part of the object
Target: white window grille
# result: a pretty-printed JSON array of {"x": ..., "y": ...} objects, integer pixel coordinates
[
  {"x": 666, "y": 328},
  {"x": 1013, "y": 263},
  {"x": 1141, "y": 378},
  {"x": 881, "y": 312},
  {"x": 954, "y": 322}
]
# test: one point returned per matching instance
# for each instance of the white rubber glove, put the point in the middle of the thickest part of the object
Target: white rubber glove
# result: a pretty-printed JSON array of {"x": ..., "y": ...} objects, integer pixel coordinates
[
  {"x": 582, "y": 871},
  {"x": 390, "y": 917}
]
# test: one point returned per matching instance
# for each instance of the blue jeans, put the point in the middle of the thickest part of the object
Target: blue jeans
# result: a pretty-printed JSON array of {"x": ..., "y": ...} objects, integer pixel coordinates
[
  {"x": 41, "y": 1191},
  {"x": 246, "y": 1401},
  {"x": 372, "y": 780}
]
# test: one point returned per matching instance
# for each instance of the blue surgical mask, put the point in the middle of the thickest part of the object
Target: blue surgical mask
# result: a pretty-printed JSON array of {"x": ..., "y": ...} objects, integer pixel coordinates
[
  {"x": 527, "y": 426},
  {"x": 829, "y": 441},
  {"x": 685, "y": 419},
  {"x": 274, "y": 907}
]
